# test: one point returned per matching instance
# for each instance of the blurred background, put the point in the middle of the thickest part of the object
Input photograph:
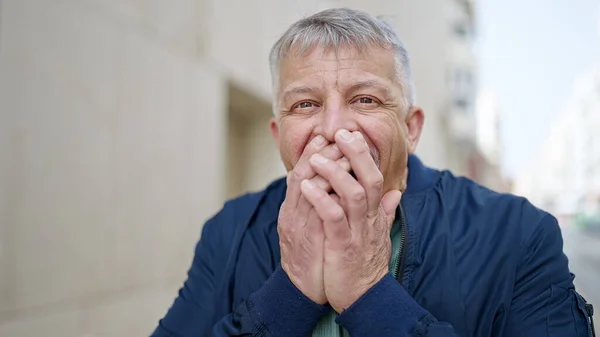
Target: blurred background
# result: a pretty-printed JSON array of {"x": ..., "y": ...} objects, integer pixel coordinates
[{"x": 125, "y": 124}]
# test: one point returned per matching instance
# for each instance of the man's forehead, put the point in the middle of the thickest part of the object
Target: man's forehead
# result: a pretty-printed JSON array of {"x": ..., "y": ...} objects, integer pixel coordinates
[
  {"x": 343, "y": 57},
  {"x": 369, "y": 68}
]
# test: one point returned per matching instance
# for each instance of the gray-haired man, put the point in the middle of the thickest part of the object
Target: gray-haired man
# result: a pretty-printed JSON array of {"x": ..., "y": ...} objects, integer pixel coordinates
[{"x": 361, "y": 238}]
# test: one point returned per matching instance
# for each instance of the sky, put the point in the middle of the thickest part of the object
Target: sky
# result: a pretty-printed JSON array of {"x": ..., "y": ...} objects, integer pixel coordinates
[{"x": 530, "y": 54}]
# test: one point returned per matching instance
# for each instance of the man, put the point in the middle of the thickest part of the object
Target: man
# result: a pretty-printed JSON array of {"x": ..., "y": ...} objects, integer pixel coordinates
[{"x": 362, "y": 239}]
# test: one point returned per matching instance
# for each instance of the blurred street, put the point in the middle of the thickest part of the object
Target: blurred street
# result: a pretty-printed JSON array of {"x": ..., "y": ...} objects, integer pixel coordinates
[{"x": 583, "y": 251}]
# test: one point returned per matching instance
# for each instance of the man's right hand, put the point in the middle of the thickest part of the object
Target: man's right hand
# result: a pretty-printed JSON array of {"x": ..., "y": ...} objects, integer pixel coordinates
[{"x": 301, "y": 235}]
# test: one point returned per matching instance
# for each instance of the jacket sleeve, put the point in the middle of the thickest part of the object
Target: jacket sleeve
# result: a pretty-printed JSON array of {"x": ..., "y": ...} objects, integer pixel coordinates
[
  {"x": 387, "y": 310},
  {"x": 545, "y": 302},
  {"x": 278, "y": 308}
]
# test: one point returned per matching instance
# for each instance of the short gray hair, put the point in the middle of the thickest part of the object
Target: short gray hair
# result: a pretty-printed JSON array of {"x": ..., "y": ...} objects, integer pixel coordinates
[{"x": 337, "y": 28}]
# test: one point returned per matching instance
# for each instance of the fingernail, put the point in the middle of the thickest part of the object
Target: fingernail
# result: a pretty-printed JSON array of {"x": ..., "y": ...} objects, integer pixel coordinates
[
  {"x": 345, "y": 135},
  {"x": 318, "y": 140},
  {"x": 335, "y": 147},
  {"x": 307, "y": 184},
  {"x": 318, "y": 159}
]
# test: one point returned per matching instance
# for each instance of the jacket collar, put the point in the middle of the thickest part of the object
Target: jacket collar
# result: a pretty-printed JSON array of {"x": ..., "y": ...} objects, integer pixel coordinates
[{"x": 420, "y": 177}]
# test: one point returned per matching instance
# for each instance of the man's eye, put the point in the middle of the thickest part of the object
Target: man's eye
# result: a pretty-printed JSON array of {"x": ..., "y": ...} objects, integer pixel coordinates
[
  {"x": 366, "y": 100},
  {"x": 304, "y": 105}
]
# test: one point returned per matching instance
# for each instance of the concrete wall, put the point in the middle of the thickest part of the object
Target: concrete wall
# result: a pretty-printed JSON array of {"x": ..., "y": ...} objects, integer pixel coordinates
[{"x": 109, "y": 119}]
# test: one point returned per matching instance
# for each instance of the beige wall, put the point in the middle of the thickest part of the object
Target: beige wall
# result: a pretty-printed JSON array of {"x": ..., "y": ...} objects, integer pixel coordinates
[
  {"x": 253, "y": 159},
  {"x": 114, "y": 133},
  {"x": 114, "y": 130}
]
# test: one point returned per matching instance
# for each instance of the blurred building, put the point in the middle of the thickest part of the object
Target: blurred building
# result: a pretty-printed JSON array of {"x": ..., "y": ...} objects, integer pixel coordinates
[
  {"x": 457, "y": 110},
  {"x": 565, "y": 176},
  {"x": 126, "y": 124},
  {"x": 485, "y": 159},
  {"x": 468, "y": 124}
]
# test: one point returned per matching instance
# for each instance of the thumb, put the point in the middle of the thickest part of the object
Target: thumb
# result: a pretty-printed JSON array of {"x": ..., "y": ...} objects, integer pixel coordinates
[{"x": 390, "y": 201}]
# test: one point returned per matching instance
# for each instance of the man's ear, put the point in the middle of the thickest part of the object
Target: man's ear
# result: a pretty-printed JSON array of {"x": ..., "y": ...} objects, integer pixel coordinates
[
  {"x": 414, "y": 125},
  {"x": 274, "y": 131}
]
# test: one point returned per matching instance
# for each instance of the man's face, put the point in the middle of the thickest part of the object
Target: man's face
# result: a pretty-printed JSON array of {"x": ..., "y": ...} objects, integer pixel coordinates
[{"x": 321, "y": 93}]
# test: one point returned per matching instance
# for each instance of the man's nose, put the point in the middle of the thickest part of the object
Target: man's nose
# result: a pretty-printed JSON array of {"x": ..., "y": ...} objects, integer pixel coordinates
[{"x": 334, "y": 117}]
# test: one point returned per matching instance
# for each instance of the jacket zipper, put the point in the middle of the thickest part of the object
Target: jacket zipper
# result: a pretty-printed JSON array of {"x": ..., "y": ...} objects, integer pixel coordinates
[
  {"x": 400, "y": 263},
  {"x": 590, "y": 311}
]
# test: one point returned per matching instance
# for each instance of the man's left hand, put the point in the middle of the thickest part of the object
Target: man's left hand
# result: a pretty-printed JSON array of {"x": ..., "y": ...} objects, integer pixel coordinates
[{"x": 356, "y": 219}]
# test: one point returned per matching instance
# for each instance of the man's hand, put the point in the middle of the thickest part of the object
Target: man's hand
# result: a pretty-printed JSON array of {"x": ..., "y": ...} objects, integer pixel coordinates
[
  {"x": 356, "y": 221},
  {"x": 301, "y": 236}
]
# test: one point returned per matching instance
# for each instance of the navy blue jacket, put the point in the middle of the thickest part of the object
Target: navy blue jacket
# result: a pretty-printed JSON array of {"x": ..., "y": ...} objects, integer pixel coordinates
[{"x": 476, "y": 263}]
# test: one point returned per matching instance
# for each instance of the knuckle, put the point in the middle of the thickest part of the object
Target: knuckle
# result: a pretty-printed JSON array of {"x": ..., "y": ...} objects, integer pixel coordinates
[
  {"x": 357, "y": 195},
  {"x": 321, "y": 198},
  {"x": 351, "y": 254},
  {"x": 344, "y": 163},
  {"x": 284, "y": 210},
  {"x": 296, "y": 175},
  {"x": 285, "y": 220},
  {"x": 321, "y": 183},
  {"x": 282, "y": 228},
  {"x": 339, "y": 172},
  {"x": 376, "y": 180},
  {"x": 362, "y": 148},
  {"x": 292, "y": 176},
  {"x": 337, "y": 214},
  {"x": 284, "y": 236},
  {"x": 281, "y": 216}
]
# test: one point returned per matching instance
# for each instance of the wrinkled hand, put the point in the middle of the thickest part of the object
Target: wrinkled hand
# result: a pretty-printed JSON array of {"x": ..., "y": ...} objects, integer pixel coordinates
[
  {"x": 301, "y": 236},
  {"x": 356, "y": 221}
]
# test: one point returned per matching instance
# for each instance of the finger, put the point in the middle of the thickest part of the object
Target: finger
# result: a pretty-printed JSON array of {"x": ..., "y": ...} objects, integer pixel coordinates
[
  {"x": 314, "y": 225},
  {"x": 335, "y": 224},
  {"x": 331, "y": 151},
  {"x": 303, "y": 210},
  {"x": 323, "y": 183},
  {"x": 352, "y": 194},
  {"x": 390, "y": 202},
  {"x": 302, "y": 170},
  {"x": 356, "y": 149}
]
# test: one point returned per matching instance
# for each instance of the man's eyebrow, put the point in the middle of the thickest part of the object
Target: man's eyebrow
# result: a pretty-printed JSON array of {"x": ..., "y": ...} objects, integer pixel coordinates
[
  {"x": 299, "y": 90},
  {"x": 304, "y": 89},
  {"x": 370, "y": 83}
]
